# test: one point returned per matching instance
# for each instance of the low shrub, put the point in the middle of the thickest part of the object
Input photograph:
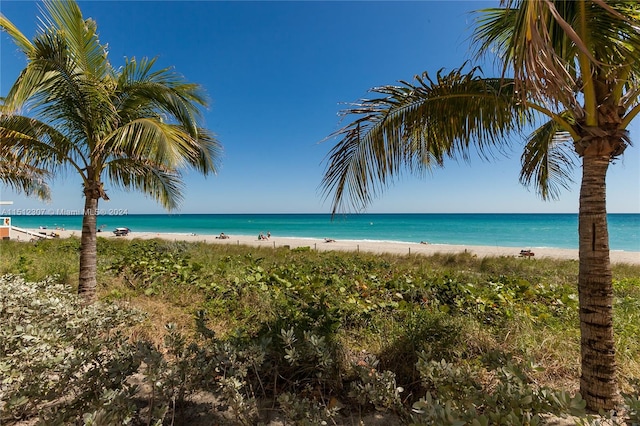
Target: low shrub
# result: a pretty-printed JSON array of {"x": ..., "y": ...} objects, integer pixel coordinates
[
  {"x": 60, "y": 359},
  {"x": 300, "y": 336}
]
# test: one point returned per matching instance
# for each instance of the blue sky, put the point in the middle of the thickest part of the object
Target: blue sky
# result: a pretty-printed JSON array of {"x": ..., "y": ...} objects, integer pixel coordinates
[{"x": 277, "y": 74}]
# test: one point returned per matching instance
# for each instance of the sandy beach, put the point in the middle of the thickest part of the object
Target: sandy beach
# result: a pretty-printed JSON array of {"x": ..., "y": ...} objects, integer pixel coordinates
[{"x": 351, "y": 245}]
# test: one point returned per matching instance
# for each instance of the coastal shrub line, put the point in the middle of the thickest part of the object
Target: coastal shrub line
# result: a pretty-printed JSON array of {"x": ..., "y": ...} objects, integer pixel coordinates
[{"x": 257, "y": 335}]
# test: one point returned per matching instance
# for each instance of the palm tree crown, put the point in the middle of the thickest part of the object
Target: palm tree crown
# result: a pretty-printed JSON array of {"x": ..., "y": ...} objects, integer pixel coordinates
[{"x": 136, "y": 124}]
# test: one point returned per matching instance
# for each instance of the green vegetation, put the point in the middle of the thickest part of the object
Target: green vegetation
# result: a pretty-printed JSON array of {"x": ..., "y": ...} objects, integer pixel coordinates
[{"x": 306, "y": 337}]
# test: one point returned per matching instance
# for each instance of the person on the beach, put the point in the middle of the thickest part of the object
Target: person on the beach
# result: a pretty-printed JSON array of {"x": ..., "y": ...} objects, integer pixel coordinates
[{"x": 268, "y": 234}]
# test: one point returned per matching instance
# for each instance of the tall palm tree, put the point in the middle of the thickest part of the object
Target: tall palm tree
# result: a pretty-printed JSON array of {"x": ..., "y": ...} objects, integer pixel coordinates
[
  {"x": 570, "y": 68},
  {"x": 134, "y": 127}
]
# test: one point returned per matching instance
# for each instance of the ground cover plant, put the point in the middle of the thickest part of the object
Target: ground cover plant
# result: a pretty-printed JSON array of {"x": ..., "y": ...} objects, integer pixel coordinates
[{"x": 189, "y": 332}]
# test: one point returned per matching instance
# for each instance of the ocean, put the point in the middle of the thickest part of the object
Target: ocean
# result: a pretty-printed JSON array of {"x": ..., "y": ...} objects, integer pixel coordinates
[{"x": 508, "y": 230}]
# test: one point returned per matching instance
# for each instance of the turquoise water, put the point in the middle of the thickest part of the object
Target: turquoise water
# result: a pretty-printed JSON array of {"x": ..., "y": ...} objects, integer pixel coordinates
[{"x": 509, "y": 230}]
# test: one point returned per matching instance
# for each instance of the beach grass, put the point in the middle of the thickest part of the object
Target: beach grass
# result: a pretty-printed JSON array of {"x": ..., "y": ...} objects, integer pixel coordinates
[{"x": 405, "y": 310}]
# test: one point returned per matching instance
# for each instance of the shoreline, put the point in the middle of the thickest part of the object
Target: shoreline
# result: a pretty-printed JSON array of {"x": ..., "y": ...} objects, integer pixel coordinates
[
  {"x": 400, "y": 248},
  {"x": 515, "y": 230}
]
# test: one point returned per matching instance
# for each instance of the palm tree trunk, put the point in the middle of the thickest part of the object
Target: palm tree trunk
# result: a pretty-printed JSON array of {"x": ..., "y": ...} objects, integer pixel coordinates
[
  {"x": 88, "y": 251},
  {"x": 598, "y": 384}
]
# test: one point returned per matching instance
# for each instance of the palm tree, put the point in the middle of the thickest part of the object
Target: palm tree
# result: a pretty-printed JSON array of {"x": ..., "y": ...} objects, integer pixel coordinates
[
  {"x": 134, "y": 127},
  {"x": 570, "y": 68}
]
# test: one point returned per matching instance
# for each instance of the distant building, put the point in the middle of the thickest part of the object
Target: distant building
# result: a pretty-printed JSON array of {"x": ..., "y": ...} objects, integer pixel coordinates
[{"x": 5, "y": 223}]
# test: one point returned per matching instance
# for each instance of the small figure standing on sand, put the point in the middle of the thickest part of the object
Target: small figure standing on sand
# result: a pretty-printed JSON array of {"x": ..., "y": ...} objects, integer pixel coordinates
[{"x": 268, "y": 234}]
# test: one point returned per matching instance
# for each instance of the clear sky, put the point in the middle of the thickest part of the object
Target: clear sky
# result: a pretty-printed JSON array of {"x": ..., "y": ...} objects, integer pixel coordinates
[{"x": 277, "y": 74}]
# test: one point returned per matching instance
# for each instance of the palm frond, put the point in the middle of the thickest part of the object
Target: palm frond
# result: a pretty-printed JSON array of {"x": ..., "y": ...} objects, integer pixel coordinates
[
  {"x": 162, "y": 91},
  {"x": 528, "y": 42},
  {"x": 417, "y": 126},
  {"x": 67, "y": 76},
  {"x": 36, "y": 142},
  {"x": 209, "y": 152},
  {"x": 160, "y": 142},
  {"x": 80, "y": 35},
  {"x": 158, "y": 182},
  {"x": 19, "y": 39},
  {"x": 548, "y": 160},
  {"x": 555, "y": 49},
  {"x": 614, "y": 37},
  {"x": 30, "y": 79},
  {"x": 23, "y": 176},
  {"x": 631, "y": 92},
  {"x": 56, "y": 90}
]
